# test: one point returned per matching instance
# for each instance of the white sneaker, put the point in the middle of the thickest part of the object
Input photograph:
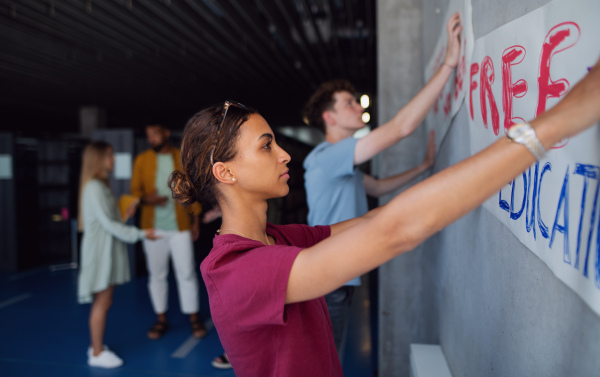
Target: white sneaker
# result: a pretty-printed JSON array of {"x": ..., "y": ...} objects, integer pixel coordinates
[
  {"x": 106, "y": 359},
  {"x": 90, "y": 350}
]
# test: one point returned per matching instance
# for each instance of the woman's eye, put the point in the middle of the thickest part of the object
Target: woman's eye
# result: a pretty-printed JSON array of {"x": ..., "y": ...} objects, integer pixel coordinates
[{"x": 268, "y": 145}]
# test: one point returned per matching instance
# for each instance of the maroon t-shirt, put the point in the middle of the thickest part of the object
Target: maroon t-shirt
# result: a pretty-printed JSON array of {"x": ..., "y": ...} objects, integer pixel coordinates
[{"x": 262, "y": 336}]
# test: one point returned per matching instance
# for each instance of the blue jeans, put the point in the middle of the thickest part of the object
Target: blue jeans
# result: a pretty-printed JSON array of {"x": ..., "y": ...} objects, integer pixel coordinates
[{"x": 339, "y": 303}]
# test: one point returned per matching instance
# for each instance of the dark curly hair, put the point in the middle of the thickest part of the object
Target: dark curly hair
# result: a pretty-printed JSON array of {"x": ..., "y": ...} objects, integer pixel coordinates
[
  {"x": 196, "y": 182},
  {"x": 322, "y": 100}
]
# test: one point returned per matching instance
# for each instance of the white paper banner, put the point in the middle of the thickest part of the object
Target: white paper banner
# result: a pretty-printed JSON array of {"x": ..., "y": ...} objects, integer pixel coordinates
[
  {"x": 518, "y": 71},
  {"x": 450, "y": 100}
]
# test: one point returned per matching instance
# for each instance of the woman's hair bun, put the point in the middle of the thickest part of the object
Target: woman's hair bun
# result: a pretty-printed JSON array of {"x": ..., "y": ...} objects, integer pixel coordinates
[
  {"x": 195, "y": 182},
  {"x": 182, "y": 189}
]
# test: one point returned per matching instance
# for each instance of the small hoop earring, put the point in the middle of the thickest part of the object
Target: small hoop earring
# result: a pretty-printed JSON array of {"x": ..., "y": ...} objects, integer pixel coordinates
[{"x": 233, "y": 179}]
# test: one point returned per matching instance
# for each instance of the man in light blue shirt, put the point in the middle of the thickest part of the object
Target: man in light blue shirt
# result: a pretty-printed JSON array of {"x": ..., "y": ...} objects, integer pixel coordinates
[{"x": 336, "y": 189}]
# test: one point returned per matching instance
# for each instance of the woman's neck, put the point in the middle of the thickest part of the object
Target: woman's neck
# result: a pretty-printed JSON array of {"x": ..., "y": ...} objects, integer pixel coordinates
[{"x": 248, "y": 221}]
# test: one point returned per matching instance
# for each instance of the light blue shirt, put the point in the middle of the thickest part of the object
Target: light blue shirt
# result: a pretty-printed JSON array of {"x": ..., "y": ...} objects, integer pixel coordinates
[{"x": 334, "y": 186}]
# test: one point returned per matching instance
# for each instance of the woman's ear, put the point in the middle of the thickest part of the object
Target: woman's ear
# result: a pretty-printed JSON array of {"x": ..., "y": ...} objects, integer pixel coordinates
[{"x": 223, "y": 173}]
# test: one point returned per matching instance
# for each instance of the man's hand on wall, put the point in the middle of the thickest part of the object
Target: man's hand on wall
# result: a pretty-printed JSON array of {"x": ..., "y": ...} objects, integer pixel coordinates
[
  {"x": 454, "y": 27},
  {"x": 430, "y": 155}
]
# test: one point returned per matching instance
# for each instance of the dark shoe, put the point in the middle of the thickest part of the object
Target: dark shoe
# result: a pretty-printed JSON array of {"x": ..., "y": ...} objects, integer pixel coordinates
[
  {"x": 221, "y": 362},
  {"x": 158, "y": 330}
]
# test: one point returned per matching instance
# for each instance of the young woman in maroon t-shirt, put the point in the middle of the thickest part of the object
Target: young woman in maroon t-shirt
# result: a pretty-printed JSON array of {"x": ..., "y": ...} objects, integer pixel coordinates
[{"x": 230, "y": 158}]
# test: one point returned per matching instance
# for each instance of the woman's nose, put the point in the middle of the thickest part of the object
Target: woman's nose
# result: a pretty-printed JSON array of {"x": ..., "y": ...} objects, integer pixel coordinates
[{"x": 284, "y": 157}]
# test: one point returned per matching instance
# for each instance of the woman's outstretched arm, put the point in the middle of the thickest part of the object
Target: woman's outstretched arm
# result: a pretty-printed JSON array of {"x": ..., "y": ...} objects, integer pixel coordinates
[{"x": 359, "y": 245}]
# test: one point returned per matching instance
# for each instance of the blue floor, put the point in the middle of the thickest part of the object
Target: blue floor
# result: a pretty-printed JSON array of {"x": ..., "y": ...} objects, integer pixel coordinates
[{"x": 44, "y": 332}]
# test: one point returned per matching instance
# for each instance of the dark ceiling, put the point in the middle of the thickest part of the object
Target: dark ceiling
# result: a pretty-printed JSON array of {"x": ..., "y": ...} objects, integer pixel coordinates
[{"x": 162, "y": 60}]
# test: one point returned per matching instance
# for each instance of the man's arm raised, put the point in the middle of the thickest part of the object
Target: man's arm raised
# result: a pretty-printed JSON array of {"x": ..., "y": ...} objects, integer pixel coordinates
[{"x": 415, "y": 111}]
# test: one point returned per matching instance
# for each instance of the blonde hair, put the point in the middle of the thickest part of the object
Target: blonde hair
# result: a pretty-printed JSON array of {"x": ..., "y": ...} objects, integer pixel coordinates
[{"x": 93, "y": 166}]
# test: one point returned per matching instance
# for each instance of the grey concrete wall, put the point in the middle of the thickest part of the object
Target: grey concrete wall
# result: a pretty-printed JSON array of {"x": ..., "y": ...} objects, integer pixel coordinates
[
  {"x": 402, "y": 289},
  {"x": 493, "y": 305}
]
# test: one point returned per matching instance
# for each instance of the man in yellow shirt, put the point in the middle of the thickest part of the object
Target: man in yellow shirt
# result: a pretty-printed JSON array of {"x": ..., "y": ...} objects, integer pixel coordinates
[{"x": 172, "y": 222}]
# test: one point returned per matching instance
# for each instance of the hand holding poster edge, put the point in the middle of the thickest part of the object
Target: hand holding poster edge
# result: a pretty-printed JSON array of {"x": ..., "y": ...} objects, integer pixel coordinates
[
  {"x": 453, "y": 46},
  {"x": 451, "y": 98}
]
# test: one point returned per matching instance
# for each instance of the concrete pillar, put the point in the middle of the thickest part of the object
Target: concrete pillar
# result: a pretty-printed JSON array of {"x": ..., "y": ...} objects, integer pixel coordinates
[{"x": 403, "y": 310}]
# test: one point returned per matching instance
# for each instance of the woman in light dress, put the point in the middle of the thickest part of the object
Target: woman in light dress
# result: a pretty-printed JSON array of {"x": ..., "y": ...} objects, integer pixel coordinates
[{"x": 104, "y": 262}]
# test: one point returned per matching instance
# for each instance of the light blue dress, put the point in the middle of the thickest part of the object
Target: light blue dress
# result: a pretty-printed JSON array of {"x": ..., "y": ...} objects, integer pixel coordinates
[{"x": 103, "y": 251}]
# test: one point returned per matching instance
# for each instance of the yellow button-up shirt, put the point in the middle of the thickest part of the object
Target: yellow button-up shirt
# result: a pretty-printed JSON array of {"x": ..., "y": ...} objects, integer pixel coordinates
[{"x": 143, "y": 183}]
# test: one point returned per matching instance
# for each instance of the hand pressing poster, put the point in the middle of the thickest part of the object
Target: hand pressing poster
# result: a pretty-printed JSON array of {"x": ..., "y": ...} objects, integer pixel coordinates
[
  {"x": 450, "y": 100},
  {"x": 517, "y": 72}
]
